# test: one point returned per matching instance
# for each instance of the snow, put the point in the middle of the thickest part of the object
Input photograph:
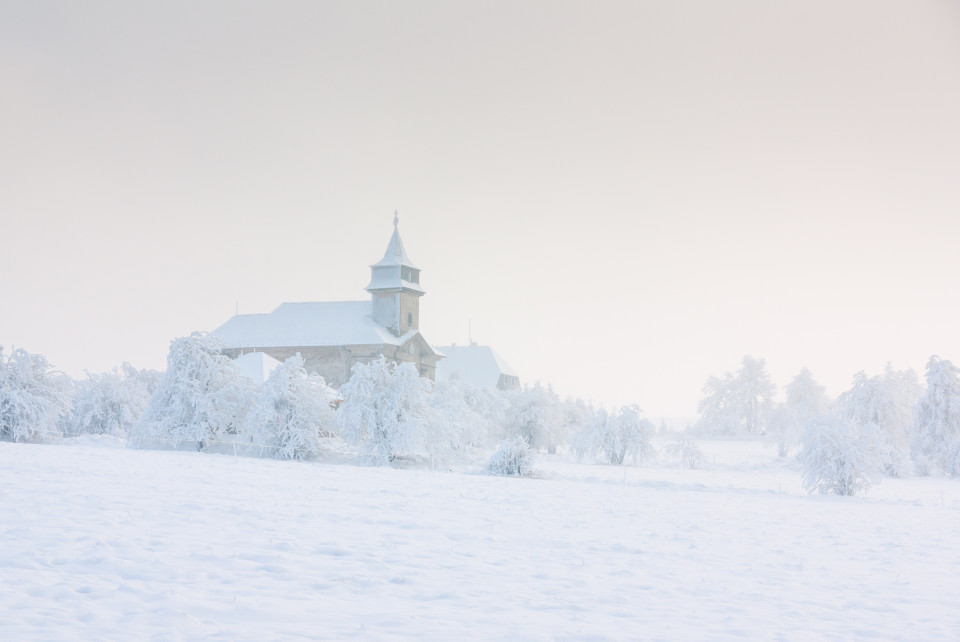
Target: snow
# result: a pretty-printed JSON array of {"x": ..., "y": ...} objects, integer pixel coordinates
[
  {"x": 256, "y": 366},
  {"x": 104, "y": 542}
]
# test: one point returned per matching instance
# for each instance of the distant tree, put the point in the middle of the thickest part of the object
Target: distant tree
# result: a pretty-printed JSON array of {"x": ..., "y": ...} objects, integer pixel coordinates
[
  {"x": 737, "y": 404},
  {"x": 292, "y": 413},
  {"x": 110, "y": 403},
  {"x": 33, "y": 397},
  {"x": 616, "y": 436},
  {"x": 575, "y": 414},
  {"x": 755, "y": 389},
  {"x": 806, "y": 400},
  {"x": 460, "y": 407},
  {"x": 840, "y": 457},
  {"x": 491, "y": 404},
  {"x": 783, "y": 428},
  {"x": 199, "y": 397},
  {"x": 535, "y": 415},
  {"x": 386, "y": 411},
  {"x": 936, "y": 439},
  {"x": 719, "y": 409}
]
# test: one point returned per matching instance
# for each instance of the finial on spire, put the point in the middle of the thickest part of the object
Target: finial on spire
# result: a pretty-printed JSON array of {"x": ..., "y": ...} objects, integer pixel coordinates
[{"x": 396, "y": 218}]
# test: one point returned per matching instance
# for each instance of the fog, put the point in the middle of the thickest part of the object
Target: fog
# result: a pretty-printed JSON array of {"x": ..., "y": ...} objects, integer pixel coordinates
[{"x": 620, "y": 198}]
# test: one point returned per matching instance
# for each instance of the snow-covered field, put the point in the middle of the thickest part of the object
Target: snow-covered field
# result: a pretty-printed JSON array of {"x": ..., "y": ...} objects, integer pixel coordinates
[{"x": 102, "y": 542}]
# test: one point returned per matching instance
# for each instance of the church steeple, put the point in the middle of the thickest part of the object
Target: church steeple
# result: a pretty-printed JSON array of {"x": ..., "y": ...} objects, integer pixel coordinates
[{"x": 395, "y": 287}]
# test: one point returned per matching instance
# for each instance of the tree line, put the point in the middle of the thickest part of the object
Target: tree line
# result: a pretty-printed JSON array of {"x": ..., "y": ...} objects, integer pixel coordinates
[{"x": 887, "y": 424}]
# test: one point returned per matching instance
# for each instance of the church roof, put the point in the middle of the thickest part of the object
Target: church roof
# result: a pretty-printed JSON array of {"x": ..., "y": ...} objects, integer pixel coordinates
[
  {"x": 477, "y": 365},
  {"x": 336, "y": 323},
  {"x": 395, "y": 254},
  {"x": 299, "y": 325}
]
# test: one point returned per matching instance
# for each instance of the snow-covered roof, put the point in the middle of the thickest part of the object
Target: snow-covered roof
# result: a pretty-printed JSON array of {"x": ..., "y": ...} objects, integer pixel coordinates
[
  {"x": 256, "y": 365},
  {"x": 339, "y": 323},
  {"x": 395, "y": 254},
  {"x": 477, "y": 365},
  {"x": 306, "y": 324}
]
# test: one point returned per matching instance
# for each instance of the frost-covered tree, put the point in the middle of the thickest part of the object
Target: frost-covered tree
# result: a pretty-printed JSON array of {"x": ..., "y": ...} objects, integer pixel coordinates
[
  {"x": 199, "y": 397},
  {"x": 585, "y": 442},
  {"x": 783, "y": 428},
  {"x": 936, "y": 439},
  {"x": 575, "y": 414},
  {"x": 839, "y": 456},
  {"x": 755, "y": 390},
  {"x": 110, "y": 403},
  {"x": 806, "y": 401},
  {"x": 720, "y": 407},
  {"x": 33, "y": 397},
  {"x": 883, "y": 407},
  {"x": 535, "y": 415},
  {"x": 512, "y": 458},
  {"x": 292, "y": 413},
  {"x": 460, "y": 407},
  {"x": 616, "y": 435},
  {"x": 386, "y": 412},
  {"x": 737, "y": 404}
]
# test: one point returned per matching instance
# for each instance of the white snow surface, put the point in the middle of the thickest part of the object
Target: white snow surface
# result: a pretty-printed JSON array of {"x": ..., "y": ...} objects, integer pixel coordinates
[{"x": 105, "y": 542}]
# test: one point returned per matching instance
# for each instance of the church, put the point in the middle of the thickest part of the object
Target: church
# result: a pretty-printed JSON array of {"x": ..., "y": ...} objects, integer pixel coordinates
[{"x": 333, "y": 336}]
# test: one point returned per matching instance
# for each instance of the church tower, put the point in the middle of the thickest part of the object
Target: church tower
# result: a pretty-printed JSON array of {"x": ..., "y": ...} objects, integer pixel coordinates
[{"x": 395, "y": 288}]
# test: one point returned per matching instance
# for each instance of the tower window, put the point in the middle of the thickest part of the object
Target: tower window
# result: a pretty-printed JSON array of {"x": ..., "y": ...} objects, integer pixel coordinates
[
  {"x": 409, "y": 318},
  {"x": 409, "y": 274}
]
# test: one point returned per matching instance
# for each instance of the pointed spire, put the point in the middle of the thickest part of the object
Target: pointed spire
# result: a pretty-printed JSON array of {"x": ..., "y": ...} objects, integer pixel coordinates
[
  {"x": 395, "y": 254},
  {"x": 395, "y": 271}
]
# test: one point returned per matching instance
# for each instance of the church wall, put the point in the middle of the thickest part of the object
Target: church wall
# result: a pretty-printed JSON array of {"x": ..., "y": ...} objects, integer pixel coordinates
[
  {"x": 334, "y": 363},
  {"x": 410, "y": 312},
  {"x": 385, "y": 309}
]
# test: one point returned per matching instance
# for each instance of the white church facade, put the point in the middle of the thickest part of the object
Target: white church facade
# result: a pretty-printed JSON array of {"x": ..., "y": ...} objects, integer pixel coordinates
[{"x": 333, "y": 336}]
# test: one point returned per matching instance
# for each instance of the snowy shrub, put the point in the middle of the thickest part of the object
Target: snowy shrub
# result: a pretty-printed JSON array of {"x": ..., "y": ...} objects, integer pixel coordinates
[
  {"x": 386, "y": 411},
  {"x": 535, "y": 415},
  {"x": 292, "y": 413},
  {"x": 936, "y": 438},
  {"x": 686, "y": 454},
  {"x": 199, "y": 397},
  {"x": 616, "y": 436},
  {"x": 512, "y": 458},
  {"x": 33, "y": 398},
  {"x": 840, "y": 457},
  {"x": 737, "y": 404},
  {"x": 110, "y": 403}
]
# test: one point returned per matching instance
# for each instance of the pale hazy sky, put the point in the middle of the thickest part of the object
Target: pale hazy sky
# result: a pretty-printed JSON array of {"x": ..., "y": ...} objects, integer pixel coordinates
[{"x": 623, "y": 197}]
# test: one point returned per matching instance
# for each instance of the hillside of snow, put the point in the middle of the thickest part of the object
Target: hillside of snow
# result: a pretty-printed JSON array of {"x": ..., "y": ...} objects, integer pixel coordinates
[{"x": 104, "y": 542}]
